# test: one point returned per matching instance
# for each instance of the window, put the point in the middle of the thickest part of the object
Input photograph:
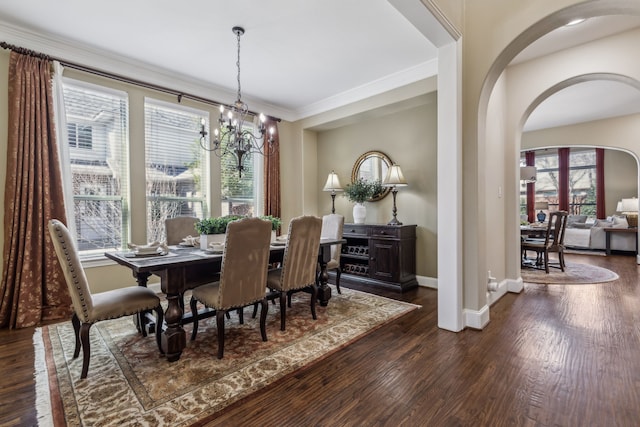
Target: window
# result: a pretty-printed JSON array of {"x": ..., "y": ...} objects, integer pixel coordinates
[
  {"x": 582, "y": 182},
  {"x": 241, "y": 196},
  {"x": 98, "y": 139},
  {"x": 80, "y": 136},
  {"x": 175, "y": 165},
  {"x": 581, "y": 170}
]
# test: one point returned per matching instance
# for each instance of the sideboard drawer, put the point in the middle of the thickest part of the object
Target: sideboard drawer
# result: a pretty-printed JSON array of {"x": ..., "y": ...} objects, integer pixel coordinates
[
  {"x": 356, "y": 230},
  {"x": 386, "y": 232}
]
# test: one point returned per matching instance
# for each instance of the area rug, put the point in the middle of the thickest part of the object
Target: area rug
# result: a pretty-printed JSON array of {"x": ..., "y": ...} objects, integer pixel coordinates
[
  {"x": 575, "y": 273},
  {"x": 129, "y": 383}
]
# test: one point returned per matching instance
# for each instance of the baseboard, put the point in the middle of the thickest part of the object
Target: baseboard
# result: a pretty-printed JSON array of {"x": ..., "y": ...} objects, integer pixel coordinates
[
  {"x": 427, "y": 282},
  {"x": 515, "y": 286},
  {"x": 476, "y": 319},
  {"x": 493, "y": 296}
]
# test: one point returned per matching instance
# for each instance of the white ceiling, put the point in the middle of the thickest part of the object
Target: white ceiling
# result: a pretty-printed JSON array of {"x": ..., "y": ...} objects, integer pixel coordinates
[{"x": 297, "y": 57}]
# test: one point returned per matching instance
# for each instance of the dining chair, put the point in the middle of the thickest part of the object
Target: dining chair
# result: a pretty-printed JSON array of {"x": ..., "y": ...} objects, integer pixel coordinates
[
  {"x": 242, "y": 276},
  {"x": 553, "y": 241},
  {"x": 332, "y": 227},
  {"x": 179, "y": 227},
  {"x": 299, "y": 264},
  {"x": 90, "y": 308}
]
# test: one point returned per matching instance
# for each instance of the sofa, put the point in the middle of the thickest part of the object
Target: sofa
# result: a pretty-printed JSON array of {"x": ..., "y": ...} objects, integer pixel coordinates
[{"x": 585, "y": 233}]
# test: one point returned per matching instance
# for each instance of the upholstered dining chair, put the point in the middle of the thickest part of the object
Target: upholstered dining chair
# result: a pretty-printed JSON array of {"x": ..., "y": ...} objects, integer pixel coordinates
[
  {"x": 242, "y": 276},
  {"x": 332, "y": 227},
  {"x": 90, "y": 308},
  {"x": 179, "y": 227},
  {"x": 552, "y": 242},
  {"x": 299, "y": 264}
]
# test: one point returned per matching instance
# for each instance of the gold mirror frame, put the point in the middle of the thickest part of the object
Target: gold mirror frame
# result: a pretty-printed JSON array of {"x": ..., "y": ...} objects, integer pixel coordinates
[{"x": 372, "y": 165}]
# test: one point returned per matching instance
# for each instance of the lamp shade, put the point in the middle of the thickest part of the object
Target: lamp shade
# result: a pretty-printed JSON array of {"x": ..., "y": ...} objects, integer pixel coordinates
[
  {"x": 394, "y": 177},
  {"x": 333, "y": 183},
  {"x": 629, "y": 205},
  {"x": 619, "y": 206},
  {"x": 528, "y": 173},
  {"x": 541, "y": 205}
]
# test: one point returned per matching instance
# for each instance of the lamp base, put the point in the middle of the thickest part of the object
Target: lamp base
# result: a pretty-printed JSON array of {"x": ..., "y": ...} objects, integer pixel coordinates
[
  {"x": 394, "y": 221},
  {"x": 632, "y": 220},
  {"x": 541, "y": 216}
]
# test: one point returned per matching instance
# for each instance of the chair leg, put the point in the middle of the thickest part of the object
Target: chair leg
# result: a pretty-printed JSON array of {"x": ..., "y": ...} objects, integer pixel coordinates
[
  {"x": 561, "y": 259},
  {"x": 141, "y": 323},
  {"x": 314, "y": 297},
  {"x": 283, "y": 309},
  {"x": 241, "y": 315},
  {"x": 194, "y": 312},
  {"x": 263, "y": 318},
  {"x": 159, "y": 321},
  {"x": 86, "y": 348},
  {"x": 220, "y": 315},
  {"x": 338, "y": 273},
  {"x": 255, "y": 310},
  {"x": 76, "y": 328},
  {"x": 546, "y": 262}
]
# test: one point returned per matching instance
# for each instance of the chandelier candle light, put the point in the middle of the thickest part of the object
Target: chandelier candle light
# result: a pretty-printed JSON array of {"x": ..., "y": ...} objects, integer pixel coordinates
[
  {"x": 233, "y": 128},
  {"x": 394, "y": 179},
  {"x": 333, "y": 185}
]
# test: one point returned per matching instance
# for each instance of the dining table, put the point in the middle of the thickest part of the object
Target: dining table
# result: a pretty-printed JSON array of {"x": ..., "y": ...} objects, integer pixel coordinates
[{"x": 181, "y": 268}]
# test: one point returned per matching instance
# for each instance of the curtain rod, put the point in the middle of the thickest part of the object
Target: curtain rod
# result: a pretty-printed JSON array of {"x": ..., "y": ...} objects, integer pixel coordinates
[{"x": 118, "y": 77}]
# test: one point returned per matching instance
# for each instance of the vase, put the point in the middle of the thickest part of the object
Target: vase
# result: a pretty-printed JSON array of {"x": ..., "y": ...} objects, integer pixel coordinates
[
  {"x": 359, "y": 213},
  {"x": 207, "y": 239}
]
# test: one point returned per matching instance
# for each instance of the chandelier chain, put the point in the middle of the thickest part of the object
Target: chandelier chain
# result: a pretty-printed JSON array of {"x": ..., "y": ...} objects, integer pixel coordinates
[{"x": 238, "y": 34}]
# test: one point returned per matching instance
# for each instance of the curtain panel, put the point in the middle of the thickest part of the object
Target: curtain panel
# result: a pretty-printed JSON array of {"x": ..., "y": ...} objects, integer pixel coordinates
[
  {"x": 272, "y": 174},
  {"x": 33, "y": 289}
]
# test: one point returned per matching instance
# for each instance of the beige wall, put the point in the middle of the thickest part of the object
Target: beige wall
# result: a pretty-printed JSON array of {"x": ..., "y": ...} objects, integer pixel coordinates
[{"x": 408, "y": 137}]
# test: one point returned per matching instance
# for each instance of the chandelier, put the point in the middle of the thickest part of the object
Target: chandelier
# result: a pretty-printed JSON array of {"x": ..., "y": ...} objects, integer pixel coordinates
[{"x": 235, "y": 131}]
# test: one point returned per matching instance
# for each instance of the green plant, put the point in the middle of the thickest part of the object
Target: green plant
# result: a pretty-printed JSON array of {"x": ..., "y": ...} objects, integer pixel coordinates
[
  {"x": 218, "y": 225},
  {"x": 275, "y": 221},
  {"x": 361, "y": 190}
]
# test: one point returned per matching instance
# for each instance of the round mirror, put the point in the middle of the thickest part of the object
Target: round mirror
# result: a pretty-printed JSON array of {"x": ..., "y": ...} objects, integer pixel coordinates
[{"x": 372, "y": 166}]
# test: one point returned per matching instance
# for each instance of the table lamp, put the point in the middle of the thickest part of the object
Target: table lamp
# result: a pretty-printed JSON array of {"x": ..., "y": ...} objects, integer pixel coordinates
[
  {"x": 394, "y": 179},
  {"x": 333, "y": 185},
  {"x": 630, "y": 210}
]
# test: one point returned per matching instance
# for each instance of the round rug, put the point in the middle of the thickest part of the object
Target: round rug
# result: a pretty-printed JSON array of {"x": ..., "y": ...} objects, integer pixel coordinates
[{"x": 574, "y": 274}]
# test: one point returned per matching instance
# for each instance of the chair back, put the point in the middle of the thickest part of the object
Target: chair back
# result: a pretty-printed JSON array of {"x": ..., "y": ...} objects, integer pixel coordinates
[
  {"x": 179, "y": 227},
  {"x": 65, "y": 247},
  {"x": 554, "y": 238},
  {"x": 245, "y": 262},
  {"x": 332, "y": 227},
  {"x": 301, "y": 253}
]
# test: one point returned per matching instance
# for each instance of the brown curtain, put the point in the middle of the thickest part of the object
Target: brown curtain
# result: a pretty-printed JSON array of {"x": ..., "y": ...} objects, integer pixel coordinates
[
  {"x": 530, "y": 159},
  {"x": 33, "y": 289},
  {"x": 272, "y": 174}
]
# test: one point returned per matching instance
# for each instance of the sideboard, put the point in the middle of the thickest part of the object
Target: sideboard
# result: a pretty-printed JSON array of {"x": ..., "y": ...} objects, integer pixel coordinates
[{"x": 379, "y": 255}]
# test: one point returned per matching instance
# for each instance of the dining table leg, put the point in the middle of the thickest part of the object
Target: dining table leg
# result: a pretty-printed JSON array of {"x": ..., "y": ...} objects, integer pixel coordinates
[
  {"x": 174, "y": 338},
  {"x": 324, "y": 291}
]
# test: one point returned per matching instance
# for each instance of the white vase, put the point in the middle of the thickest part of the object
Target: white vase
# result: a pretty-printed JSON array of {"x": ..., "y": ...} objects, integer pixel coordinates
[
  {"x": 207, "y": 239},
  {"x": 359, "y": 213}
]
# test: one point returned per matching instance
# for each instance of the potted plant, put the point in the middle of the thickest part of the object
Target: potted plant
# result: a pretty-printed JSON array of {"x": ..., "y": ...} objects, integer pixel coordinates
[
  {"x": 213, "y": 229},
  {"x": 358, "y": 192}
]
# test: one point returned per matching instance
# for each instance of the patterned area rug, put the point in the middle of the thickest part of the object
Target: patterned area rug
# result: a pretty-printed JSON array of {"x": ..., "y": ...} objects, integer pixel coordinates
[
  {"x": 574, "y": 273},
  {"x": 129, "y": 383}
]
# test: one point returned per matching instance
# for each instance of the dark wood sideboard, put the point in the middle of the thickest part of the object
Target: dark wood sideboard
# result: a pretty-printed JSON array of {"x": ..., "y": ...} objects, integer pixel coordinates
[{"x": 379, "y": 255}]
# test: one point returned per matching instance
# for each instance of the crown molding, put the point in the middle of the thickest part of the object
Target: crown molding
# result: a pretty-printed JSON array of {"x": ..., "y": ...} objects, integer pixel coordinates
[{"x": 377, "y": 87}]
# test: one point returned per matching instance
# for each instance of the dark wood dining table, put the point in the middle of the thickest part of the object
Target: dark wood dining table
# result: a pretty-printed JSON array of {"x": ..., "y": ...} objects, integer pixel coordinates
[{"x": 184, "y": 268}]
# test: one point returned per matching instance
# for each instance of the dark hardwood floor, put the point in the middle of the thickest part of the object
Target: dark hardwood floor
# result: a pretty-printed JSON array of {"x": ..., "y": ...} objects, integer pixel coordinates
[{"x": 553, "y": 355}]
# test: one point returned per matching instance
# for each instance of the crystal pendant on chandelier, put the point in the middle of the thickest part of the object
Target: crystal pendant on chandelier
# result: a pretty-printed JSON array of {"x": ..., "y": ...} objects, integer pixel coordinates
[{"x": 235, "y": 131}]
